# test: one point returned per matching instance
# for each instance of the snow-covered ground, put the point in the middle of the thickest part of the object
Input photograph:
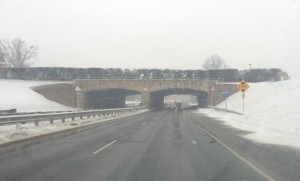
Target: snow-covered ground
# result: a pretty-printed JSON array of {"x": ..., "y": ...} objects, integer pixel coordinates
[
  {"x": 132, "y": 103},
  {"x": 17, "y": 94},
  {"x": 272, "y": 112}
]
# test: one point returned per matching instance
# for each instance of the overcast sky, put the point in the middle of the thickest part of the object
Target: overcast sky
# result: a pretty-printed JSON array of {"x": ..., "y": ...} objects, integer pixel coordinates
[{"x": 175, "y": 34}]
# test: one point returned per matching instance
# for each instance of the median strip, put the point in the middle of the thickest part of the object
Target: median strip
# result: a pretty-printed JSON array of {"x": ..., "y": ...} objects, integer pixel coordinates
[{"x": 104, "y": 147}]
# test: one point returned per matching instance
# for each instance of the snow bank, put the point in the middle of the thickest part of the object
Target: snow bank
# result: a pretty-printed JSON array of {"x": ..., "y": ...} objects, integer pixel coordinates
[
  {"x": 10, "y": 133},
  {"x": 272, "y": 112},
  {"x": 17, "y": 94}
]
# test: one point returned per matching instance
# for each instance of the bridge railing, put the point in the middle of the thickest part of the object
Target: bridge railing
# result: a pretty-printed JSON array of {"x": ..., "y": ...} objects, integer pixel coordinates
[
  {"x": 37, "y": 118},
  {"x": 145, "y": 78}
]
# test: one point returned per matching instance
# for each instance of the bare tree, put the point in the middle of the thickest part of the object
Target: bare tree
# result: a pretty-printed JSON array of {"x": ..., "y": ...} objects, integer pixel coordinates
[
  {"x": 17, "y": 53},
  {"x": 214, "y": 62},
  {"x": 2, "y": 61}
]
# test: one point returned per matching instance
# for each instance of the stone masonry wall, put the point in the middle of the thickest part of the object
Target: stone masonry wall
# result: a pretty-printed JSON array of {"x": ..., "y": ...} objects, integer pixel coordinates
[
  {"x": 62, "y": 93},
  {"x": 218, "y": 98}
]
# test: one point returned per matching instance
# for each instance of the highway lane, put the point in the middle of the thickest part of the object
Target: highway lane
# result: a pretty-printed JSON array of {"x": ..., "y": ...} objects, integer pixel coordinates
[
  {"x": 153, "y": 146},
  {"x": 282, "y": 162}
]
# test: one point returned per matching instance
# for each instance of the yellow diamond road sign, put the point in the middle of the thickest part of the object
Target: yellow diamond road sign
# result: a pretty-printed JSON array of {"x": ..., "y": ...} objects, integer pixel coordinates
[{"x": 243, "y": 86}]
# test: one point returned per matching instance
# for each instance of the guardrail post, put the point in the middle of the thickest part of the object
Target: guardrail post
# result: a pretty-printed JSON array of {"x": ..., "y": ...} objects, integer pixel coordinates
[
  {"x": 36, "y": 123},
  {"x": 51, "y": 121},
  {"x": 73, "y": 118},
  {"x": 81, "y": 117},
  {"x": 63, "y": 120}
]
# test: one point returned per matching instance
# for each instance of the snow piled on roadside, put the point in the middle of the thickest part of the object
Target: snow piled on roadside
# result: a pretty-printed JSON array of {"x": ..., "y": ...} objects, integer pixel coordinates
[
  {"x": 10, "y": 133},
  {"x": 17, "y": 94},
  {"x": 272, "y": 112}
]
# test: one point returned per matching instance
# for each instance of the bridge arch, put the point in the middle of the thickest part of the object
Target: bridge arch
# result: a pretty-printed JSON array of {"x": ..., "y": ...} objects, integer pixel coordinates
[
  {"x": 107, "y": 98},
  {"x": 157, "y": 97}
]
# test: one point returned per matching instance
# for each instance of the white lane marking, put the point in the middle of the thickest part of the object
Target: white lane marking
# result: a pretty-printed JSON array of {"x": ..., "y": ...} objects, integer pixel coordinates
[
  {"x": 268, "y": 177},
  {"x": 194, "y": 142},
  {"x": 101, "y": 149},
  {"x": 143, "y": 124}
]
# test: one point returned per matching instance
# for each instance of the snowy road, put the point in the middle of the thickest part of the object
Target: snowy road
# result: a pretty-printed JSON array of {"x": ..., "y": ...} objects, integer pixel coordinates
[{"x": 166, "y": 145}]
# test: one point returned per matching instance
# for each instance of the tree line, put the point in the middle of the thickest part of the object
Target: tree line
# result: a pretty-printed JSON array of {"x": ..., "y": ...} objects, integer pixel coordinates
[
  {"x": 69, "y": 74},
  {"x": 16, "y": 58}
]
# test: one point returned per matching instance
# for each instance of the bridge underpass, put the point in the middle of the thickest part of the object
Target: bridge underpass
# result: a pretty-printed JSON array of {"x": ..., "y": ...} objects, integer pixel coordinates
[
  {"x": 98, "y": 93},
  {"x": 116, "y": 98},
  {"x": 107, "y": 98},
  {"x": 186, "y": 101},
  {"x": 157, "y": 97}
]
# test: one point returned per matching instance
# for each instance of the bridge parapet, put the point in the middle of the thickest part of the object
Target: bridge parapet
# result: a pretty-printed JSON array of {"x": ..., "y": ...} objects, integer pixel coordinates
[{"x": 87, "y": 85}]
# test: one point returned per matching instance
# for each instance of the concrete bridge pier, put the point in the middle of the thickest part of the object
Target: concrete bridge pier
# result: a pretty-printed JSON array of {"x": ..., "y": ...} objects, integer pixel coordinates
[
  {"x": 145, "y": 99},
  {"x": 79, "y": 99}
]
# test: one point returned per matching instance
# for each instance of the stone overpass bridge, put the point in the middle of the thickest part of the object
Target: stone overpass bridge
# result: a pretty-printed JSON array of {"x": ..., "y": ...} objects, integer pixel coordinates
[{"x": 99, "y": 93}]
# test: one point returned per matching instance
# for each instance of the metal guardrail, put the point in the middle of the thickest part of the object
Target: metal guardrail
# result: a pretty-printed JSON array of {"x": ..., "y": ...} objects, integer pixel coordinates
[
  {"x": 27, "y": 113},
  {"x": 36, "y": 118},
  {"x": 227, "y": 110}
]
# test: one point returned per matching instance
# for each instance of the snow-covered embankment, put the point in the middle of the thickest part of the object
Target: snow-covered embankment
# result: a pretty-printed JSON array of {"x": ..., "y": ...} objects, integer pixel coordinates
[
  {"x": 272, "y": 112},
  {"x": 17, "y": 94}
]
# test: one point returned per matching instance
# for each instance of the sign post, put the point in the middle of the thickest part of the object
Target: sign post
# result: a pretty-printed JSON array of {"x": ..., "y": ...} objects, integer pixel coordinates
[
  {"x": 243, "y": 86},
  {"x": 225, "y": 95},
  {"x": 243, "y": 97}
]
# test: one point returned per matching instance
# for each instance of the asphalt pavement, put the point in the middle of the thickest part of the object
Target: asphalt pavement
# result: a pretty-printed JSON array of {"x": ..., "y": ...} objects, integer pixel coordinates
[{"x": 169, "y": 145}]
